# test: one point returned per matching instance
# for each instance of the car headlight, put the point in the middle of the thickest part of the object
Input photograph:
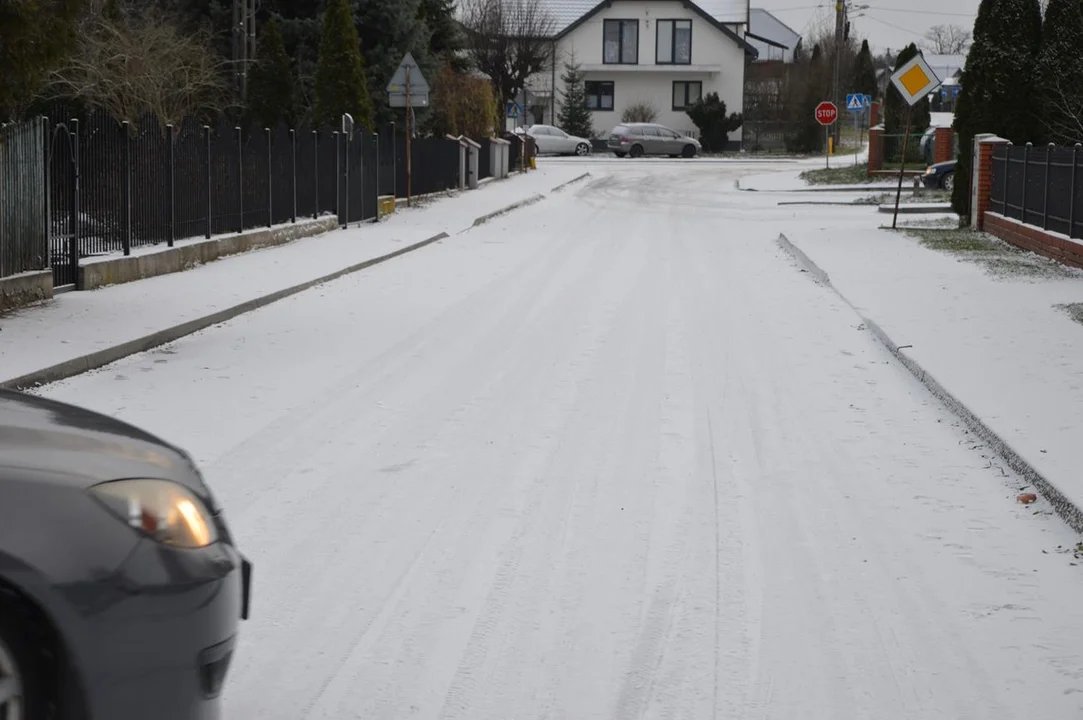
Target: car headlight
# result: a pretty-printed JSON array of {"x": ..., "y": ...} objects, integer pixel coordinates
[
  {"x": 166, "y": 511},
  {"x": 929, "y": 171}
]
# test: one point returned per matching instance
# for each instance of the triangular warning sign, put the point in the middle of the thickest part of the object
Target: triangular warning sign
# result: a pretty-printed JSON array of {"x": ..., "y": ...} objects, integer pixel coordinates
[{"x": 854, "y": 103}]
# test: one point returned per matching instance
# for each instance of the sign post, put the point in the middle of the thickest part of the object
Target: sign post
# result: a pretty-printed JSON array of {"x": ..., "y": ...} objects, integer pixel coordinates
[
  {"x": 408, "y": 89},
  {"x": 914, "y": 81},
  {"x": 856, "y": 107},
  {"x": 826, "y": 114}
]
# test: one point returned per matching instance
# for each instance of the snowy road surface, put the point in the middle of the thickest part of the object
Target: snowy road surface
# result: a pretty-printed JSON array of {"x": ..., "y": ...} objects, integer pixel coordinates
[{"x": 611, "y": 456}]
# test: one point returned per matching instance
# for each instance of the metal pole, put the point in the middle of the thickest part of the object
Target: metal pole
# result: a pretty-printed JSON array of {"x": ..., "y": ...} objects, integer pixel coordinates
[
  {"x": 376, "y": 139},
  {"x": 338, "y": 173},
  {"x": 270, "y": 181},
  {"x": 827, "y": 148},
  {"x": 46, "y": 136},
  {"x": 1045, "y": 199},
  {"x": 902, "y": 168},
  {"x": 1071, "y": 195},
  {"x": 1026, "y": 166},
  {"x": 126, "y": 238},
  {"x": 857, "y": 147},
  {"x": 316, "y": 172},
  {"x": 394, "y": 162},
  {"x": 293, "y": 172},
  {"x": 172, "y": 187},
  {"x": 346, "y": 179},
  {"x": 409, "y": 132},
  {"x": 73, "y": 239},
  {"x": 240, "y": 177},
  {"x": 207, "y": 147}
]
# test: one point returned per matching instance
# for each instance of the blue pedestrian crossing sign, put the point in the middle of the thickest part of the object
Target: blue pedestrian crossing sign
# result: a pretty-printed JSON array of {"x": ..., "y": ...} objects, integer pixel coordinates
[
  {"x": 855, "y": 102},
  {"x": 867, "y": 100}
]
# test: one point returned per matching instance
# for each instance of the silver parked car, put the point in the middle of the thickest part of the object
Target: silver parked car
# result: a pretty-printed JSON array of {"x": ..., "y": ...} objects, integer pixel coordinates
[
  {"x": 552, "y": 140},
  {"x": 638, "y": 139}
]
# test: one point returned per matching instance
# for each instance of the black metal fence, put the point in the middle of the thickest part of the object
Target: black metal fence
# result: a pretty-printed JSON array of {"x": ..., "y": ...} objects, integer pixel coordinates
[
  {"x": 88, "y": 186},
  {"x": 23, "y": 198},
  {"x": 1040, "y": 186}
]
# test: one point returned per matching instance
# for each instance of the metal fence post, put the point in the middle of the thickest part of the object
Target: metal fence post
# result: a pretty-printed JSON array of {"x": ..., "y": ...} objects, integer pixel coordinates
[
  {"x": 172, "y": 187},
  {"x": 1045, "y": 198},
  {"x": 376, "y": 141},
  {"x": 293, "y": 172},
  {"x": 394, "y": 162},
  {"x": 240, "y": 177},
  {"x": 73, "y": 238},
  {"x": 126, "y": 238},
  {"x": 338, "y": 172},
  {"x": 346, "y": 179},
  {"x": 270, "y": 181},
  {"x": 207, "y": 149},
  {"x": 1071, "y": 196},
  {"x": 1026, "y": 163},
  {"x": 45, "y": 136},
  {"x": 316, "y": 171}
]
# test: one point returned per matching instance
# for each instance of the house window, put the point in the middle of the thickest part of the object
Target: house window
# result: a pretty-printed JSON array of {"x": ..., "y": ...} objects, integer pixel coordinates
[
  {"x": 686, "y": 93},
  {"x": 674, "y": 42},
  {"x": 620, "y": 42},
  {"x": 599, "y": 94}
]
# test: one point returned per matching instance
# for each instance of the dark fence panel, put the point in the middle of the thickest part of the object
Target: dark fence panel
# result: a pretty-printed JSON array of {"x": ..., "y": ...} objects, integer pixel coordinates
[
  {"x": 327, "y": 178},
  {"x": 104, "y": 221},
  {"x": 283, "y": 176},
  {"x": 63, "y": 159},
  {"x": 1040, "y": 186},
  {"x": 370, "y": 167},
  {"x": 147, "y": 189},
  {"x": 192, "y": 189},
  {"x": 485, "y": 159},
  {"x": 24, "y": 244},
  {"x": 256, "y": 175},
  {"x": 434, "y": 165},
  {"x": 226, "y": 178},
  {"x": 386, "y": 162},
  {"x": 307, "y": 172}
]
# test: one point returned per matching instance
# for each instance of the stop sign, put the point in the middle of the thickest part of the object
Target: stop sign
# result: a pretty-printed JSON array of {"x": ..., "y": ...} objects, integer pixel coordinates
[{"x": 826, "y": 113}]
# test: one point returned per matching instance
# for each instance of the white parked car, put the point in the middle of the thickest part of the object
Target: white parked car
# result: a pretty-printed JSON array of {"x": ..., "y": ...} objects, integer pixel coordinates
[{"x": 554, "y": 141}]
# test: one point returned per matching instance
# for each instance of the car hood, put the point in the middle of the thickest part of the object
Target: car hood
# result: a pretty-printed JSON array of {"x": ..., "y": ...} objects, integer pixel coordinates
[
  {"x": 65, "y": 444},
  {"x": 946, "y": 165}
]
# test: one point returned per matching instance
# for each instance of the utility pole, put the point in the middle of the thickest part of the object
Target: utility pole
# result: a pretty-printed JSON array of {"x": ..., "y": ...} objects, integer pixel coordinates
[
  {"x": 244, "y": 43},
  {"x": 840, "y": 29}
]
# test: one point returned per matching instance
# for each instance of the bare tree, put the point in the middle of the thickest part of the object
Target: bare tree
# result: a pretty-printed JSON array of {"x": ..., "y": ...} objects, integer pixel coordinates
[
  {"x": 135, "y": 60},
  {"x": 1063, "y": 118},
  {"x": 508, "y": 40},
  {"x": 946, "y": 40}
]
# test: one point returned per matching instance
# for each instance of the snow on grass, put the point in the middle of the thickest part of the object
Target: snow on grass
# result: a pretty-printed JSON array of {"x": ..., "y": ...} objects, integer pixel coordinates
[{"x": 1000, "y": 259}]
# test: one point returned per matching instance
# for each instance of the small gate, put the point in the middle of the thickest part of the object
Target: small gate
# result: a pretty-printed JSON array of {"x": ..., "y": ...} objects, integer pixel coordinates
[{"x": 63, "y": 169}]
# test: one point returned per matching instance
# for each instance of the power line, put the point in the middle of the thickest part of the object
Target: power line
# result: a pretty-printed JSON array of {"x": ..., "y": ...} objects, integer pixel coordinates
[
  {"x": 890, "y": 25},
  {"x": 921, "y": 12}
]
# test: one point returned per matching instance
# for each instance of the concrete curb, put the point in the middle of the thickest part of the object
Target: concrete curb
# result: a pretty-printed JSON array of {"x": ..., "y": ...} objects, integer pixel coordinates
[
  {"x": 1068, "y": 511},
  {"x": 101, "y": 358},
  {"x": 507, "y": 209},
  {"x": 563, "y": 185},
  {"x": 917, "y": 208}
]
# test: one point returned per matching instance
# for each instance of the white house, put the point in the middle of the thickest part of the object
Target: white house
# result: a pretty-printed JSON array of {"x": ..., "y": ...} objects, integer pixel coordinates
[{"x": 663, "y": 53}]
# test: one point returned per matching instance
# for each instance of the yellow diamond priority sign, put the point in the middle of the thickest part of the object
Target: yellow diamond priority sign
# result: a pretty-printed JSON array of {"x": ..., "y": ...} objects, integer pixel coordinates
[{"x": 915, "y": 80}]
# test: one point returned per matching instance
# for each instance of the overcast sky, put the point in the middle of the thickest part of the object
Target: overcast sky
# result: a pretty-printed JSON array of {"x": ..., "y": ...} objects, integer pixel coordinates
[{"x": 887, "y": 23}]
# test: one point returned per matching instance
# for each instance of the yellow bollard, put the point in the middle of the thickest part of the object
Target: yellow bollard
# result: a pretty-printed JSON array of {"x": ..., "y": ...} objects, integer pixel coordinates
[
  {"x": 533, "y": 163},
  {"x": 830, "y": 145}
]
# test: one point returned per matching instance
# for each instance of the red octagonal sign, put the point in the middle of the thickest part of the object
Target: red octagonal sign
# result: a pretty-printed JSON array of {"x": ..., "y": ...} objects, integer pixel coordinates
[{"x": 826, "y": 113}]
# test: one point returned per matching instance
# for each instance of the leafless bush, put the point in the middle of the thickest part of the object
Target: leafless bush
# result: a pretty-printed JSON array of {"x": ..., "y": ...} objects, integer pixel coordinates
[
  {"x": 642, "y": 112},
  {"x": 134, "y": 61}
]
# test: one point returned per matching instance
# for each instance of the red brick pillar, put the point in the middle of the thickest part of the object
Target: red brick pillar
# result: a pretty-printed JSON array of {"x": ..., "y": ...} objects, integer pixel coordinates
[
  {"x": 943, "y": 145},
  {"x": 981, "y": 183},
  {"x": 876, "y": 148},
  {"x": 874, "y": 114}
]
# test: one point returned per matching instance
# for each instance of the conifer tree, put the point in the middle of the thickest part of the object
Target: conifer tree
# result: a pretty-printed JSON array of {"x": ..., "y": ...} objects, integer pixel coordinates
[
  {"x": 1060, "y": 72},
  {"x": 270, "y": 84},
  {"x": 575, "y": 117},
  {"x": 341, "y": 83},
  {"x": 864, "y": 80}
]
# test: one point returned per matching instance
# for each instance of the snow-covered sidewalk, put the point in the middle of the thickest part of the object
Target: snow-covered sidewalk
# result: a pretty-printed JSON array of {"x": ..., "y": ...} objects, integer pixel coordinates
[
  {"x": 987, "y": 322},
  {"x": 77, "y": 324}
]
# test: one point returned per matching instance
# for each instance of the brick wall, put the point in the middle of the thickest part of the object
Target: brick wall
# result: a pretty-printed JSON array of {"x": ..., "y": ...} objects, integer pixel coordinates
[
  {"x": 944, "y": 145},
  {"x": 1029, "y": 237},
  {"x": 876, "y": 148},
  {"x": 982, "y": 180}
]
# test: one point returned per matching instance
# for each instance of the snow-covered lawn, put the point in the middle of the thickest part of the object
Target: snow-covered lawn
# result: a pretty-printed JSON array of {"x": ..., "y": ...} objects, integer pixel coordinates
[{"x": 615, "y": 456}]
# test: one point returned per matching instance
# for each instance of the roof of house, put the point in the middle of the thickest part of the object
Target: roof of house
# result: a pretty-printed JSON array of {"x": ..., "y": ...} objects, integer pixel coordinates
[
  {"x": 771, "y": 30},
  {"x": 569, "y": 14},
  {"x": 565, "y": 13}
]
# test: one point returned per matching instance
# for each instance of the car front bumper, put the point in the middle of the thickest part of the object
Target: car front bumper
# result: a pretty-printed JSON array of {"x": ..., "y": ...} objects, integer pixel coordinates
[{"x": 161, "y": 645}]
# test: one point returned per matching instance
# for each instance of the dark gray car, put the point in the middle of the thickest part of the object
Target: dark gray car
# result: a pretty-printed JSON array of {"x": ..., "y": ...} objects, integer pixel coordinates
[
  {"x": 638, "y": 139},
  {"x": 121, "y": 591}
]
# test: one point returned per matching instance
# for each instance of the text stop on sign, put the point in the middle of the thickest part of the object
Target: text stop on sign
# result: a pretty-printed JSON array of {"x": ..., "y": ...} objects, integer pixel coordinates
[{"x": 826, "y": 113}]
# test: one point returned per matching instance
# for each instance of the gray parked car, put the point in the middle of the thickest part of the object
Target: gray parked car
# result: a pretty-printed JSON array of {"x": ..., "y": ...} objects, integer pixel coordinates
[
  {"x": 121, "y": 591},
  {"x": 638, "y": 139}
]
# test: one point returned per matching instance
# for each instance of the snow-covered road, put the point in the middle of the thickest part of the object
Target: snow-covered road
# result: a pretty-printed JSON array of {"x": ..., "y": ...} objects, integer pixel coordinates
[{"x": 611, "y": 456}]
